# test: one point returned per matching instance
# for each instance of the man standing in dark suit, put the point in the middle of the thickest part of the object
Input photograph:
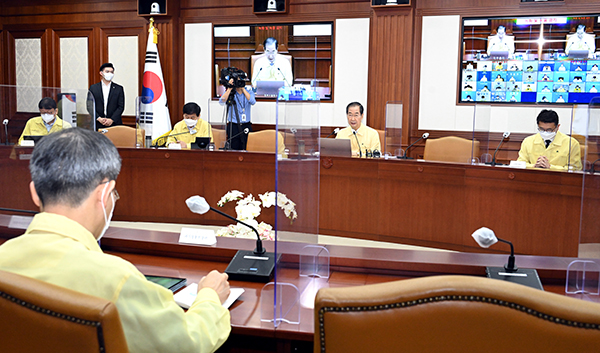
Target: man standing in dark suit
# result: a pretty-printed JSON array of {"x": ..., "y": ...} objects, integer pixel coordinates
[{"x": 109, "y": 98}]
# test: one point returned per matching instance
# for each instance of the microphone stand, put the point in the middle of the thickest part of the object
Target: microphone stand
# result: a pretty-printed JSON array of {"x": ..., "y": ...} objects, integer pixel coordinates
[
  {"x": 593, "y": 169},
  {"x": 358, "y": 143},
  {"x": 510, "y": 266},
  {"x": 493, "y": 163},
  {"x": 250, "y": 265},
  {"x": 407, "y": 148}
]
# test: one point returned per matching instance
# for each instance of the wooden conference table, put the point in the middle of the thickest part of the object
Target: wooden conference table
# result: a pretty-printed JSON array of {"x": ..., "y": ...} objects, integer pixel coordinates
[
  {"x": 159, "y": 253},
  {"x": 411, "y": 202}
]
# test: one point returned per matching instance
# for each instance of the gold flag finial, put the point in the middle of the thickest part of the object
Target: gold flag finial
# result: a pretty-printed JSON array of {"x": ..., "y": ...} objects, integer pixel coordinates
[{"x": 153, "y": 31}]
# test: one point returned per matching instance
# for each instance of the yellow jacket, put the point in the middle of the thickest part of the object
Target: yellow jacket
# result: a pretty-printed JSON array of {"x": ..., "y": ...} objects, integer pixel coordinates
[
  {"x": 36, "y": 127},
  {"x": 203, "y": 129},
  {"x": 368, "y": 138},
  {"x": 557, "y": 152},
  {"x": 58, "y": 250}
]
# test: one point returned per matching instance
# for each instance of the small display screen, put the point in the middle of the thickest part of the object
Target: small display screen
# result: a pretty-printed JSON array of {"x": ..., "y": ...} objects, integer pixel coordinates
[{"x": 171, "y": 283}]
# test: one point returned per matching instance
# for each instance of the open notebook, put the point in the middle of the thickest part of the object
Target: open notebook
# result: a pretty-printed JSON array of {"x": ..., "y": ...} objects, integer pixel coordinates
[{"x": 186, "y": 296}]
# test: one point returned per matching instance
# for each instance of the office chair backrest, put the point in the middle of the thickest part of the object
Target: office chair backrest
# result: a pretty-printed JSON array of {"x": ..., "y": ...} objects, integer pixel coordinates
[
  {"x": 450, "y": 149},
  {"x": 452, "y": 314},
  {"x": 219, "y": 137},
  {"x": 36, "y": 316},
  {"x": 124, "y": 136},
  {"x": 264, "y": 141}
]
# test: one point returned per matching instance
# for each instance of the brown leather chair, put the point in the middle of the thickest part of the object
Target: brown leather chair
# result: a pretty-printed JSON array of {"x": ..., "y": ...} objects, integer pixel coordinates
[
  {"x": 124, "y": 136},
  {"x": 219, "y": 137},
  {"x": 450, "y": 149},
  {"x": 36, "y": 316},
  {"x": 452, "y": 314},
  {"x": 264, "y": 141}
]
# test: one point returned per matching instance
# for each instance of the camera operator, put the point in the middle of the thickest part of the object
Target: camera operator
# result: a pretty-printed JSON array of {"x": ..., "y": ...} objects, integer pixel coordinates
[{"x": 239, "y": 104}]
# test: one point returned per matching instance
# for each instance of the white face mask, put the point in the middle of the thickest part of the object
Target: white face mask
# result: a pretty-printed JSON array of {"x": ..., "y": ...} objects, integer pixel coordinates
[
  {"x": 547, "y": 135},
  {"x": 108, "y": 76},
  {"x": 47, "y": 117},
  {"x": 190, "y": 122},
  {"x": 109, "y": 217}
]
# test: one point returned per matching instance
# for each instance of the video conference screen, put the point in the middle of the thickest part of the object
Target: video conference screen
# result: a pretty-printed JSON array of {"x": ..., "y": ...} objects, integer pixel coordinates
[
  {"x": 304, "y": 54},
  {"x": 535, "y": 59}
]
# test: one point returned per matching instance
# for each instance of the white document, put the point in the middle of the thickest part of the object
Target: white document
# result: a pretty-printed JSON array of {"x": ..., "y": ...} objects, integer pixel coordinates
[
  {"x": 197, "y": 236},
  {"x": 19, "y": 222},
  {"x": 186, "y": 296}
]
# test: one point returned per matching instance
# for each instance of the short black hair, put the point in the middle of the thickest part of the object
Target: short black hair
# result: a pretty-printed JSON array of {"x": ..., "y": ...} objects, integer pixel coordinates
[
  {"x": 582, "y": 27},
  {"x": 547, "y": 116},
  {"x": 105, "y": 65},
  {"x": 47, "y": 103},
  {"x": 68, "y": 165},
  {"x": 191, "y": 109},
  {"x": 355, "y": 104},
  {"x": 501, "y": 26},
  {"x": 271, "y": 40}
]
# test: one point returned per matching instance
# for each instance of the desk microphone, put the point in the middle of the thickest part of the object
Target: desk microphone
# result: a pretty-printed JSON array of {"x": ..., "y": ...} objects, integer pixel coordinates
[
  {"x": 358, "y": 143},
  {"x": 593, "y": 169},
  {"x": 334, "y": 132},
  {"x": 245, "y": 131},
  {"x": 161, "y": 141},
  {"x": 256, "y": 265},
  {"x": 505, "y": 135},
  {"x": 285, "y": 79},
  {"x": 423, "y": 137},
  {"x": 258, "y": 73},
  {"x": 5, "y": 123},
  {"x": 485, "y": 237}
]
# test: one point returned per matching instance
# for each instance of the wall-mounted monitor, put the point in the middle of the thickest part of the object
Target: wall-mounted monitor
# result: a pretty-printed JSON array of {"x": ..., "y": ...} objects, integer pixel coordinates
[
  {"x": 530, "y": 60},
  {"x": 303, "y": 57}
]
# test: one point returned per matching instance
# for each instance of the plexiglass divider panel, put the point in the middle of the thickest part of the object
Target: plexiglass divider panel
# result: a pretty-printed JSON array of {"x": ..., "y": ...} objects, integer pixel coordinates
[
  {"x": 480, "y": 146},
  {"x": 303, "y": 265},
  {"x": 392, "y": 144}
]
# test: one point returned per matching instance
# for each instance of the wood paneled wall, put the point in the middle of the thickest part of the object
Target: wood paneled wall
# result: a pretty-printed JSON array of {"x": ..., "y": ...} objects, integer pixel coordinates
[{"x": 395, "y": 37}]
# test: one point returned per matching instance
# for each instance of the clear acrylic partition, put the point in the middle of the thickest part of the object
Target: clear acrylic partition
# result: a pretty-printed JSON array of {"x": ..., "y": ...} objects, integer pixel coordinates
[
  {"x": 392, "y": 146},
  {"x": 480, "y": 147},
  {"x": 303, "y": 266},
  {"x": 20, "y": 103},
  {"x": 583, "y": 277}
]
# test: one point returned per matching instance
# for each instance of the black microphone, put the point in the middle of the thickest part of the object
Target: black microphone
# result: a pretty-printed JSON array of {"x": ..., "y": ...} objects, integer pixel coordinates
[
  {"x": 423, "y": 137},
  {"x": 18, "y": 210},
  {"x": 335, "y": 131},
  {"x": 5, "y": 123},
  {"x": 358, "y": 143},
  {"x": 245, "y": 131},
  {"x": 162, "y": 140},
  {"x": 256, "y": 265},
  {"x": 285, "y": 79},
  {"x": 258, "y": 73},
  {"x": 505, "y": 135}
]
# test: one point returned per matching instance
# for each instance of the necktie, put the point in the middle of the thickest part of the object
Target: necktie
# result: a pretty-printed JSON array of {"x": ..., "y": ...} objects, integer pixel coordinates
[{"x": 548, "y": 142}]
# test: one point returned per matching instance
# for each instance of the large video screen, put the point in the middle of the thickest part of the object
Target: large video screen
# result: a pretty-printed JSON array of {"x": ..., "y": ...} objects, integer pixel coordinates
[
  {"x": 536, "y": 59},
  {"x": 302, "y": 58}
]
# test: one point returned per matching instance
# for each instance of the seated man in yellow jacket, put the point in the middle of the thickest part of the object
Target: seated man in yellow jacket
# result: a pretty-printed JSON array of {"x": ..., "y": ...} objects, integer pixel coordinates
[
  {"x": 185, "y": 132},
  {"x": 363, "y": 139},
  {"x": 550, "y": 148},
  {"x": 45, "y": 124}
]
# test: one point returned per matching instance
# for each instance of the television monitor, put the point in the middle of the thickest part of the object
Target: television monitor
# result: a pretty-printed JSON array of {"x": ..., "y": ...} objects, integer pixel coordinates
[
  {"x": 308, "y": 47},
  {"x": 532, "y": 66}
]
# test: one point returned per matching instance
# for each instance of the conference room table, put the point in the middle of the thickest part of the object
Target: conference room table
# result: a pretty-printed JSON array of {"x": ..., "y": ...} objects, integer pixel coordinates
[
  {"x": 160, "y": 253},
  {"x": 413, "y": 202}
]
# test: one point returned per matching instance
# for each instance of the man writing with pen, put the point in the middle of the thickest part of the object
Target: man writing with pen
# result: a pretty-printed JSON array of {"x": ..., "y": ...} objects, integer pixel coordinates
[{"x": 184, "y": 133}]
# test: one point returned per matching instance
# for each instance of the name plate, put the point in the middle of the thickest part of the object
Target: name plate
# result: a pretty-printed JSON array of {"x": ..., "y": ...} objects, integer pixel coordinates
[{"x": 197, "y": 236}]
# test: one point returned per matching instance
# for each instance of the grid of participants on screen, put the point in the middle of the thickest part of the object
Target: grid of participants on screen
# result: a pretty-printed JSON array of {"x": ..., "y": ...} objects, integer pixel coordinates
[{"x": 530, "y": 81}]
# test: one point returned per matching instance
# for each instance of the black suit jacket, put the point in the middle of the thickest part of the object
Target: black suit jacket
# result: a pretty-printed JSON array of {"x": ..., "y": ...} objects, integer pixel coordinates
[{"x": 116, "y": 102}]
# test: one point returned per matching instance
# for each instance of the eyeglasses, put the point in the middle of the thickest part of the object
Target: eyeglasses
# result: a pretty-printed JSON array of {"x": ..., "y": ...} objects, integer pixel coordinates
[
  {"x": 271, "y": 51},
  {"x": 353, "y": 115},
  {"x": 547, "y": 130}
]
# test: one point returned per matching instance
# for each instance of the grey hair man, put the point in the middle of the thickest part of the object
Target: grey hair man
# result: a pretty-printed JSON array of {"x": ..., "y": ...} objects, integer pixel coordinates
[{"x": 74, "y": 174}]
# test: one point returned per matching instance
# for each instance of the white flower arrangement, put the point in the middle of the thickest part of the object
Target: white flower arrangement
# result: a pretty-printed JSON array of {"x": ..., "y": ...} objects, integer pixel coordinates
[{"x": 248, "y": 208}]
